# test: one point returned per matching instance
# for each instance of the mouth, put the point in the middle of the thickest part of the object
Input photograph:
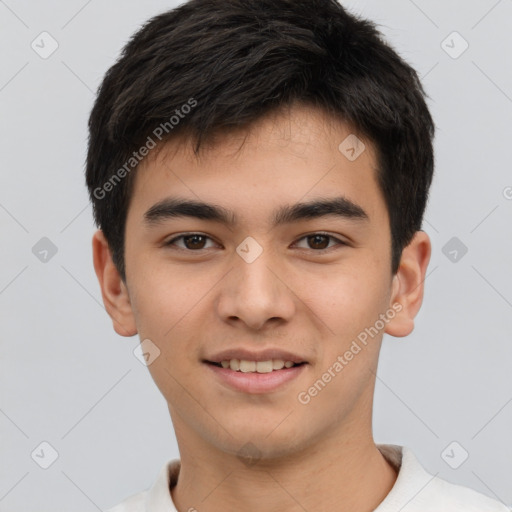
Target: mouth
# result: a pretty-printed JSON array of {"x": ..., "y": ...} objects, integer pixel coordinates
[
  {"x": 255, "y": 377},
  {"x": 246, "y": 366}
]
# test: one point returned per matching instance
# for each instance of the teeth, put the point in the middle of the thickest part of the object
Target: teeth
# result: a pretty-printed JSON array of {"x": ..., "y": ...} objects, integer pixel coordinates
[
  {"x": 264, "y": 366},
  {"x": 256, "y": 366},
  {"x": 247, "y": 366},
  {"x": 277, "y": 364}
]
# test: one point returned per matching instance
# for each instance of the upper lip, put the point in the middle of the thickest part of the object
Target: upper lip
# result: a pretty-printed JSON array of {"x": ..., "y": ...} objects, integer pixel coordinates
[{"x": 262, "y": 355}]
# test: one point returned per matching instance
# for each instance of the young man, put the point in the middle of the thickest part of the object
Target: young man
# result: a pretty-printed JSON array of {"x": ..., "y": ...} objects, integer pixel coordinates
[{"x": 259, "y": 170}]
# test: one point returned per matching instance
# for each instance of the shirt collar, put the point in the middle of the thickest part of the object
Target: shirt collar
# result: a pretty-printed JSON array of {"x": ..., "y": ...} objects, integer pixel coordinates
[
  {"x": 158, "y": 498},
  {"x": 411, "y": 480}
]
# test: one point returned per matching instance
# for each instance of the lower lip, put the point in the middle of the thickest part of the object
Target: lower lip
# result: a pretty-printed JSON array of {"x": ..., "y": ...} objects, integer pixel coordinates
[{"x": 253, "y": 382}]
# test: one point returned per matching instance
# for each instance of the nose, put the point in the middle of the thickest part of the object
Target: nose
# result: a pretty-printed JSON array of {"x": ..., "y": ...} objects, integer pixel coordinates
[{"x": 256, "y": 293}]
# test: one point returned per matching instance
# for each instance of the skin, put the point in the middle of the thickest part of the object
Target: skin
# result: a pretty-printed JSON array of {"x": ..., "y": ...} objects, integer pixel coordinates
[{"x": 194, "y": 304}]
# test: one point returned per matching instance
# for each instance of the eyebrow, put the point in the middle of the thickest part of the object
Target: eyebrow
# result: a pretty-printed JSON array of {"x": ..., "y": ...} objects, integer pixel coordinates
[{"x": 175, "y": 207}]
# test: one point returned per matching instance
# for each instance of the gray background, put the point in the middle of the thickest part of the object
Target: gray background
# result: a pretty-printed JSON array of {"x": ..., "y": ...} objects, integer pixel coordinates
[{"x": 66, "y": 378}]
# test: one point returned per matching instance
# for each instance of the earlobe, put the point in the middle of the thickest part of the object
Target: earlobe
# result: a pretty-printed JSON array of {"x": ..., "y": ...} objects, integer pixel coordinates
[
  {"x": 113, "y": 289},
  {"x": 408, "y": 284}
]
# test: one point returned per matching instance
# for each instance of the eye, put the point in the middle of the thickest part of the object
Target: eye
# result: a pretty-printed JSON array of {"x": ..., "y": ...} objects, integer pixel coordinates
[
  {"x": 191, "y": 241},
  {"x": 194, "y": 242},
  {"x": 320, "y": 241}
]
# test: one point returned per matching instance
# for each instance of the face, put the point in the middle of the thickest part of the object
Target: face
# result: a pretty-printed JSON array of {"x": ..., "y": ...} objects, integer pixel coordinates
[{"x": 258, "y": 278}]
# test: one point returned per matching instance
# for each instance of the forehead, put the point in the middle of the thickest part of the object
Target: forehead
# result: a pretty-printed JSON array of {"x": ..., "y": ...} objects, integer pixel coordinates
[{"x": 285, "y": 157}]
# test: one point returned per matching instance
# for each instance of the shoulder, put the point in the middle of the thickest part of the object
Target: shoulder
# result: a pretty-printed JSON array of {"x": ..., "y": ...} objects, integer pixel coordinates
[
  {"x": 416, "y": 490},
  {"x": 452, "y": 497},
  {"x": 158, "y": 497}
]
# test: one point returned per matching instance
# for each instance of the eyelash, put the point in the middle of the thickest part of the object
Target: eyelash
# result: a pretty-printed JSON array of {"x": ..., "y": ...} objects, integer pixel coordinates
[{"x": 321, "y": 251}]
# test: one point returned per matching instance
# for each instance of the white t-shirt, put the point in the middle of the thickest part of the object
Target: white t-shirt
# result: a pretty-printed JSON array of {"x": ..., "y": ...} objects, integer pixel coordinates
[{"x": 415, "y": 490}]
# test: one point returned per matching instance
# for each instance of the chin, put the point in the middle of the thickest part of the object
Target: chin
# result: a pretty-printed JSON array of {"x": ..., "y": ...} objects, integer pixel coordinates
[{"x": 263, "y": 444}]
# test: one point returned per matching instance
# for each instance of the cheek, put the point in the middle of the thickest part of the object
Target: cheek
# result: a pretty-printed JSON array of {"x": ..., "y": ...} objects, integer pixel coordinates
[
  {"x": 173, "y": 318},
  {"x": 345, "y": 301},
  {"x": 166, "y": 297}
]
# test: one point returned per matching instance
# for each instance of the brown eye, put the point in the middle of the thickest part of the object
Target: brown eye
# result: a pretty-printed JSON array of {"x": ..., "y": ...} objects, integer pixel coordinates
[
  {"x": 318, "y": 241},
  {"x": 194, "y": 241},
  {"x": 191, "y": 242}
]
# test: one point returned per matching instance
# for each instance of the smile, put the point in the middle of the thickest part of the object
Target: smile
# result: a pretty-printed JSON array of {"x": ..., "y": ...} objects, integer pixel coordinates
[
  {"x": 246, "y": 366},
  {"x": 248, "y": 377}
]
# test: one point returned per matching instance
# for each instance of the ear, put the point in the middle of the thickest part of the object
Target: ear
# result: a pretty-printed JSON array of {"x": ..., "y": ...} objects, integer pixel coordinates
[
  {"x": 408, "y": 285},
  {"x": 113, "y": 289}
]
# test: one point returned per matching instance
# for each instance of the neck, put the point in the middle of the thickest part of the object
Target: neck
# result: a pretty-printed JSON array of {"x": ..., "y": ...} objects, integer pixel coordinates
[{"x": 352, "y": 474}]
